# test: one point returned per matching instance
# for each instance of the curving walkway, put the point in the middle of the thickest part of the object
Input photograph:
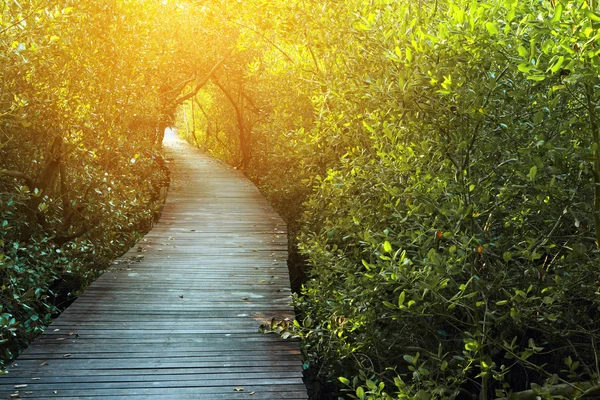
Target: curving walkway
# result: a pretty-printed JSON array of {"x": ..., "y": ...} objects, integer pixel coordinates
[{"x": 177, "y": 317}]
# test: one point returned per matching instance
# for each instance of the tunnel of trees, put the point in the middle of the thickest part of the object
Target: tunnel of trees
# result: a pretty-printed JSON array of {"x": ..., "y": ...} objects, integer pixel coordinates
[{"x": 437, "y": 161}]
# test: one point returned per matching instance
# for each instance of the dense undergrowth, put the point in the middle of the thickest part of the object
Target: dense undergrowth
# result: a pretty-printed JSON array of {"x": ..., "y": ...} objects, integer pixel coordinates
[{"x": 438, "y": 163}]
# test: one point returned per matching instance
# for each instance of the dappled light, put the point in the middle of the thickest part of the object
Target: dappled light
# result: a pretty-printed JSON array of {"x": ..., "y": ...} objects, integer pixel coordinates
[{"x": 437, "y": 164}]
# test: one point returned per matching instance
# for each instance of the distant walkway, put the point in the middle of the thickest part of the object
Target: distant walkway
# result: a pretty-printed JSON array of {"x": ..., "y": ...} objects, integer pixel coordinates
[{"x": 178, "y": 317}]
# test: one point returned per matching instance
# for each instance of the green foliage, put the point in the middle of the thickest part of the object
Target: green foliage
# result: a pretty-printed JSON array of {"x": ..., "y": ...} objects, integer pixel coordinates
[
  {"x": 79, "y": 178},
  {"x": 451, "y": 231},
  {"x": 438, "y": 161}
]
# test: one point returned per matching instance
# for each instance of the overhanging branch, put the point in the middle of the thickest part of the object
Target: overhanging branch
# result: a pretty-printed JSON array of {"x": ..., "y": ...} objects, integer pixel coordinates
[
  {"x": 19, "y": 175},
  {"x": 202, "y": 83}
]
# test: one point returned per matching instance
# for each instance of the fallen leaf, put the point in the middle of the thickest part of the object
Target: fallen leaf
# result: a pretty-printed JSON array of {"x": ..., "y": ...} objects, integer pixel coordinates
[
  {"x": 44, "y": 363},
  {"x": 238, "y": 389},
  {"x": 181, "y": 296},
  {"x": 20, "y": 386},
  {"x": 245, "y": 298},
  {"x": 56, "y": 330},
  {"x": 251, "y": 393},
  {"x": 35, "y": 379},
  {"x": 67, "y": 355}
]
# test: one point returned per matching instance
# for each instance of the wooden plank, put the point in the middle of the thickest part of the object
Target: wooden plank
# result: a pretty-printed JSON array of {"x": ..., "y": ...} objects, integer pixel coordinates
[
  {"x": 24, "y": 376},
  {"x": 177, "y": 316}
]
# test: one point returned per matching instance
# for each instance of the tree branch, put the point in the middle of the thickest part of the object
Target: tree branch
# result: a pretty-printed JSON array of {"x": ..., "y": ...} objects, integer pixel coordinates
[
  {"x": 286, "y": 55},
  {"x": 202, "y": 83},
  {"x": 19, "y": 175}
]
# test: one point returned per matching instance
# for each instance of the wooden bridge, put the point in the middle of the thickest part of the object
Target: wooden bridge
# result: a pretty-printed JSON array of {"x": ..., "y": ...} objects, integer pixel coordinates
[{"x": 177, "y": 317}]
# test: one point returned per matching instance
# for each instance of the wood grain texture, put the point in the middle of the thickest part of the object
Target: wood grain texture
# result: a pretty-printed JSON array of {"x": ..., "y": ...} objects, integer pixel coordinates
[{"x": 177, "y": 317}]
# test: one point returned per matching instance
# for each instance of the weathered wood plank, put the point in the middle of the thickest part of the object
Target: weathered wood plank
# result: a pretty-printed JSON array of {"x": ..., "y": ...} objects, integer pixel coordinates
[{"x": 177, "y": 317}]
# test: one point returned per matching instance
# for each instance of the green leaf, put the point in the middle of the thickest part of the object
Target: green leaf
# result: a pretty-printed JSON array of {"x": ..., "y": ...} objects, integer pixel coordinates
[
  {"x": 491, "y": 28},
  {"x": 389, "y": 305},
  {"x": 592, "y": 15},
  {"x": 387, "y": 247},
  {"x": 557, "y": 13},
  {"x": 401, "y": 299},
  {"x": 369, "y": 127},
  {"x": 511, "y": 15},
  {"x": 344, "y": 380},
  {"x": 537, "y": 78},
  {"x": 557, "y": 64},
  {"x": 532, "y": 173},
  {"x": 360, "y": 392},
  {"x": 548, "y": 43},
  {"x": 524, "y": 67},
  {"x": 444, "y": 366},
  {"x": 366, "y": 265},
  {"x": 523, "y": 52}
]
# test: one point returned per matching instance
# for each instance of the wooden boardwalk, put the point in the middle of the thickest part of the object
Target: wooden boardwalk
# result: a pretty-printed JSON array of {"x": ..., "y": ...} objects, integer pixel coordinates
[{"x": 178, "y": 316}]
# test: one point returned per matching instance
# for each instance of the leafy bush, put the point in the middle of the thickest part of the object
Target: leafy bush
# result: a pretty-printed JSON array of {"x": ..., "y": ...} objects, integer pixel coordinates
[
  {"x": 452, "y": 248},
  {"x": 80, "y": 180}
]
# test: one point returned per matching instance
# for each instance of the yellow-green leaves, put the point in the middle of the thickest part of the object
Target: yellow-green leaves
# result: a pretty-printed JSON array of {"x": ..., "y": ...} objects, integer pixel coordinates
[
  {"x": 558, "y": 10},
  {"x": 409, "y": 55},
  {"x": 401, "y": 299},
  {"x": 387, "y": 247},
  {"x": 592, "y": 15},
  {"x": 536, "y": 78},
  {"x": 532, "y": 173},
  {"x": 557, "y": 64},
  {"x": 491, "y": 28}
]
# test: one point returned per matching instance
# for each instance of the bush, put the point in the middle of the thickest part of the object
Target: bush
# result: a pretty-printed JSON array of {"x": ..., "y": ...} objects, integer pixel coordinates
[{"x": 452, "y": 249}]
